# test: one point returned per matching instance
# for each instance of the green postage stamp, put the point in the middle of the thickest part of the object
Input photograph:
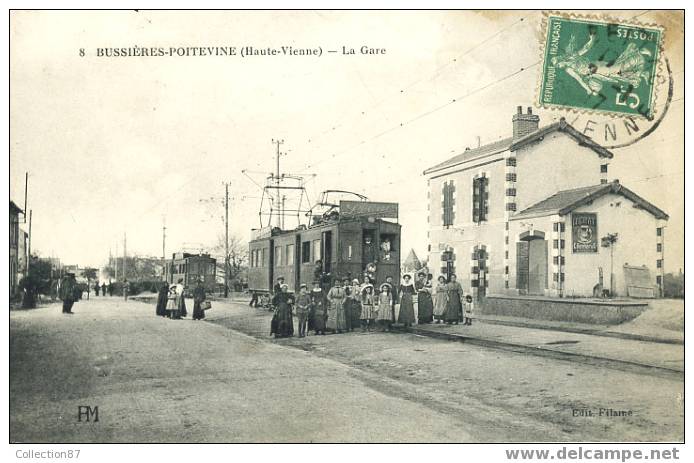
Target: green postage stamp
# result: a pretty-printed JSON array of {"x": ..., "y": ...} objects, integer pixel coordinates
[{"x": 600, "y": 66}]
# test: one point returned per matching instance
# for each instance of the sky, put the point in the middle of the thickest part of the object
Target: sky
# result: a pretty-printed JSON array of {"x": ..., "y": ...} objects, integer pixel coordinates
[{"x": 124, "y": 145}]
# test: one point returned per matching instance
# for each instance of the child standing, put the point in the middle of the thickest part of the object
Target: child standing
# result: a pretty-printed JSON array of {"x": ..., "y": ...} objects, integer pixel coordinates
[
  {"x": 303, "y": 303},
  {"x": 367, "y": 308},
  {"x": 467, "y": 310},
  {"x": 384, "y": 313}
]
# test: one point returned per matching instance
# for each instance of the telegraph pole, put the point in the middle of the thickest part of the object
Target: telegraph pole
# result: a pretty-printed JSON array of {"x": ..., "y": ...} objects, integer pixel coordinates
[
  {"x": 116, "y": 261},
  {"x": 26, "y": 190},
  {"x": 226, "y": 239},
  {"x": 277, "y": 179},
  {"x": 163, "y": 251},
  {"x": 125, "y": 254},
  {"x": 29, "y": 241}
]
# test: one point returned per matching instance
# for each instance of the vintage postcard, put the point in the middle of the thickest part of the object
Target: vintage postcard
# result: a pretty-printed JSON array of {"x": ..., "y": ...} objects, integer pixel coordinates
[{"x": 347, "y": 227}]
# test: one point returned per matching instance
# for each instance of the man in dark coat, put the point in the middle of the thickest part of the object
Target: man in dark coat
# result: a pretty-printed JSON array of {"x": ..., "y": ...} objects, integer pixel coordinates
[
  {"x": 103, "y": 289},
  {"x": 110, "y": 288},
  {"x": 96, "y": 289},
  {"x": 68, "y": 292}
]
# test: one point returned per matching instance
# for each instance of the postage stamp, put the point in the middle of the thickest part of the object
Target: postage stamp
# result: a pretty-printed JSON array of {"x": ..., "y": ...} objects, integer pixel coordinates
[{"x": 600, "y": 66}]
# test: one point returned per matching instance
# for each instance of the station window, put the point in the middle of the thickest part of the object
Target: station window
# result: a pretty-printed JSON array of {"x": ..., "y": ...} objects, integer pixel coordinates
[
  {"x": 480, "y": 199},
  {"x": 306, "y": 252},
  {"x": 603, "y": 168},
  {"x": 278, "y": 256},
  {"x": 659, "y": 247},
  {"x": 659, "y": 263},
  {"x": 659, "y": 231},
  {"x": 448, "y": 204},
  {"x": 289, "y": 254},
  {"x": 316, "y": 250}
]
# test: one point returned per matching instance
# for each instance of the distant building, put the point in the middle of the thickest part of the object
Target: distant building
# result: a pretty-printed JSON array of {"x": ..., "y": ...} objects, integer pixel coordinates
[
  {"x": 14, "y": 247},
  {"x": 526, "y": 215},
  {"x": 412, "y": 263}
]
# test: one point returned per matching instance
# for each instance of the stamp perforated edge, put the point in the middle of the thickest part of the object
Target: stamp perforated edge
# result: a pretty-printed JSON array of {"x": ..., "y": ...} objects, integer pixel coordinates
[{"x": 658, "y": 80}]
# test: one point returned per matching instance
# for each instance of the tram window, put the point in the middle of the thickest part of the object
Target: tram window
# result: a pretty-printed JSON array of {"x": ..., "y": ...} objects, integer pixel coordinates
[
  {"x": 262, "y": 257},
  {"x": 306, "y": 252},
  {"x": 289, "y": 254},
  {"x": 316, "y": 250},
  {"x": 278, "y": 256}
]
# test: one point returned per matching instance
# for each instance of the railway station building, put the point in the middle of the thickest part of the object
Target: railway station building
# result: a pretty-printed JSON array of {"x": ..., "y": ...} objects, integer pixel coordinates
[{"x": 537, "y": 214}]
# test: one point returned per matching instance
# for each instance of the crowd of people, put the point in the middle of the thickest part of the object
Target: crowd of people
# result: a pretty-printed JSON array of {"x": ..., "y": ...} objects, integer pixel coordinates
[
  {"x": 345, "y": 304},
  {"x": 171, "y": 301}
]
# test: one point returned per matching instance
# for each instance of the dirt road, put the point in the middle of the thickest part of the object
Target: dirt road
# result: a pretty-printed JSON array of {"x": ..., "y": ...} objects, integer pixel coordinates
[{"x": 160, "y": 380}]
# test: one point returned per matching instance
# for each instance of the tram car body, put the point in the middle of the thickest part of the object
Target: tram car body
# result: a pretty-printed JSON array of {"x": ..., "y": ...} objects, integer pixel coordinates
[
  {"x": 190, "y": 268},
  {"x": 345, "y": 242}
]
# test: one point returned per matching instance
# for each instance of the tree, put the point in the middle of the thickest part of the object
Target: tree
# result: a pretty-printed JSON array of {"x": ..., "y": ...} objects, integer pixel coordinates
[
  {"x": 37, "y": 281},
  {"x": 238, "y": 256},
  {"x": 90, "y": 274}
]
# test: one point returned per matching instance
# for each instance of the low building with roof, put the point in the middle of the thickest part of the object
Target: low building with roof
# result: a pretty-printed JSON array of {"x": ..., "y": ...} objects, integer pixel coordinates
[{"x": 535, "y": 214}]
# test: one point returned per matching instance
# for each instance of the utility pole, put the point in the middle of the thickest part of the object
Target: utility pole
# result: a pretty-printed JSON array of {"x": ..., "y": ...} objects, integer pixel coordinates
[
  {"x": 116, "y": 260},
  {"x": 26, "y": 190},
  {"x": 29, "y": 241},
  {"x": 277, "y": 178},
  {"x": 226, "y": 238},
  {"x": 163, "y": 251},
  {"x": 125, "y": 254}
]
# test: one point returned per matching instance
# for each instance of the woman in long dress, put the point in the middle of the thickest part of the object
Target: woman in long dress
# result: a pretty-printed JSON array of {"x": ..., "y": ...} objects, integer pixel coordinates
[
  {"x": 368, "y": 313},
  {"x": 347, "y": 303},
  {"x": 384, "y": 312},
  {"x": 454, "y": 305},
  {"x": 199, "y": 297},
  {"x": 283, "y": 313},
  {"x": 425, "y": 305},
  {"x": 181, "y": 299},
  {"x": 356, "y": 303},
  {"x": 336, "y": 310},
  {"x": 440, "y": 300},
  {"x": 162, "y": 299},
  {"x": 317, "y": 311},
  {"x": 407, "y": 292}
]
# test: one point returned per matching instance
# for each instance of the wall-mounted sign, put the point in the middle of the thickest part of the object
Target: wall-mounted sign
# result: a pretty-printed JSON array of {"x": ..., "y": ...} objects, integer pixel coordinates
[{"x": 584, "y": 232}]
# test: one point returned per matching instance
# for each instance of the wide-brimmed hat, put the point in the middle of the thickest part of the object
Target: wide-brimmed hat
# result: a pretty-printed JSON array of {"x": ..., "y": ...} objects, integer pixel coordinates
[
  {"x": 303, "y": 285},
  {"x": 356, "y": 280},
  {"x": 284, "y": 286},
  {"x": 367, "y": 286},
  {"x": 385, "y": 285}
]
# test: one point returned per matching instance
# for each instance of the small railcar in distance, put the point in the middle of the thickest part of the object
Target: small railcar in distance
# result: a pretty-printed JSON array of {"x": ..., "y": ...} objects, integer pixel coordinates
[
  {"x": 190, "y": 268},
  {"x": 345, "y": 240}
]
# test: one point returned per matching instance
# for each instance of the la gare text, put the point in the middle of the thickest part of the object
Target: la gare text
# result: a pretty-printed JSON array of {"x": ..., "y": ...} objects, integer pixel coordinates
[{"x": 244, "y": 51}]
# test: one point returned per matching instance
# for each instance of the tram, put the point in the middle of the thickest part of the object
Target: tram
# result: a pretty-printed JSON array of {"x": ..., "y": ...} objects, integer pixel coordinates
[{"x": 344, "y": 241}]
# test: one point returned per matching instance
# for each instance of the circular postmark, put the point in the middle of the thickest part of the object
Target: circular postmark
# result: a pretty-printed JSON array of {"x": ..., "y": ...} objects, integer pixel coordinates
[{"x": 614, "y": 132}]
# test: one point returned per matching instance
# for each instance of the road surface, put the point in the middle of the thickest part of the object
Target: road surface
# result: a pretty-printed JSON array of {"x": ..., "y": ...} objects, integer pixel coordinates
[{"x": 225, "y": 380}]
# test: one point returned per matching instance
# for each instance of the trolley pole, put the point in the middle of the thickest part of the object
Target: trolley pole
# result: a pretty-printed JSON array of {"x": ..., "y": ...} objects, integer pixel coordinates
[{"x": 226, "y": 239}]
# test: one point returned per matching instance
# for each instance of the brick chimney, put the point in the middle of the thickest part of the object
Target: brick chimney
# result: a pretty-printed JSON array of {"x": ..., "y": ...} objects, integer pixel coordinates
[{"x": 524, "y": 124}]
